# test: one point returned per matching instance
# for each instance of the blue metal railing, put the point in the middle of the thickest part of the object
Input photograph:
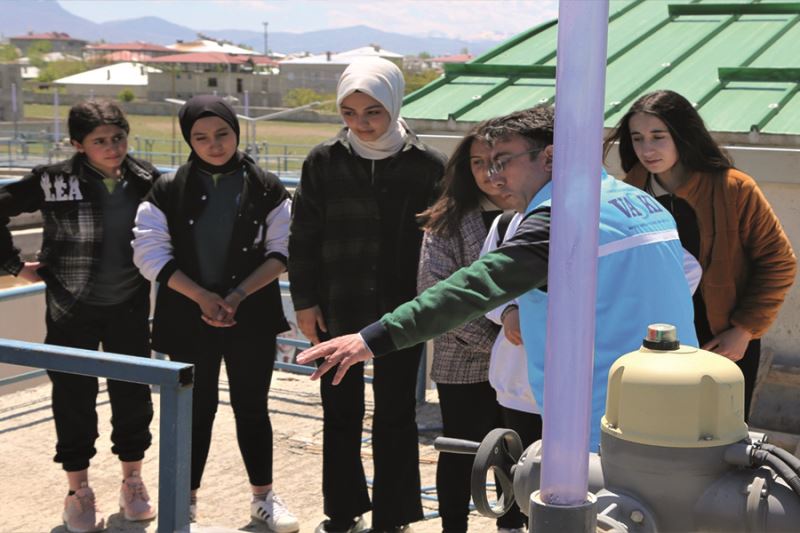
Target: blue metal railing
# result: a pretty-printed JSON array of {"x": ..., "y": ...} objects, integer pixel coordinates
[
  {"x": 37, "y": 288},
  {"x": 176, "y": 400},
  {"x": 175, "y": 386}
]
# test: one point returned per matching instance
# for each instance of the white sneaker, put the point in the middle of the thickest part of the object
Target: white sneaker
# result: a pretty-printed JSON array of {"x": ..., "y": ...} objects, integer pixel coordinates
[{"x": 273, "y": 512}]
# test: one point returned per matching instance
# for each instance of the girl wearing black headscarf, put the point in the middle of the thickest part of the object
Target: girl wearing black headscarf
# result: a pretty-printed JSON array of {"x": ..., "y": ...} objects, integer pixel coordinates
[{"x": 215, "y": 236}]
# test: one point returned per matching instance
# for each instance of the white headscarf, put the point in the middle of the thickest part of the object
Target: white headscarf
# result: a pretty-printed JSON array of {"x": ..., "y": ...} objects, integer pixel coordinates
[{"x": 382, "y": 80}]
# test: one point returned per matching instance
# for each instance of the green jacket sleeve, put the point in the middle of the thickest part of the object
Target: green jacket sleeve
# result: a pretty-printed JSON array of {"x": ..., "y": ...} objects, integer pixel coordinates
[{"x": 515, "y": 268}]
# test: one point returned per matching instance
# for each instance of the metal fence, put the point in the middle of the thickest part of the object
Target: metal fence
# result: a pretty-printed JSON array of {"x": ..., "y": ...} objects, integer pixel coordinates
[
  {"x": 278, "y": 158},
  {"x": 37, "y": 149}
]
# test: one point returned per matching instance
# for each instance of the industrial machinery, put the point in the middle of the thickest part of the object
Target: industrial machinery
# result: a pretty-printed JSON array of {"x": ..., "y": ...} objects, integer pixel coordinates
[{"x": 675, "y": 453}]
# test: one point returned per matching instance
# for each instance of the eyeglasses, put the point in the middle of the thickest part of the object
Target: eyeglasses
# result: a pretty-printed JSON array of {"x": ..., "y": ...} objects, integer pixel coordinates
[{"x": 499, "y": 164}]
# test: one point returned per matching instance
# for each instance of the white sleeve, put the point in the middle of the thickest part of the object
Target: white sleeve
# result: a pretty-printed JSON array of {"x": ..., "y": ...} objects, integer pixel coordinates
[
  {"x": 489, "y": 245},
  {"x": 491, "y": 239},
  {"x": 278, "y": 221},
  {"x": 152, "y": 243},
  {"x": 692, "y": 270}
]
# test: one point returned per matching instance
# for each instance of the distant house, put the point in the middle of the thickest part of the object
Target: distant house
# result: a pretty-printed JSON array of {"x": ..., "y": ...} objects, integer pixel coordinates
[
  {"x": 121, "y": 52},
  {"x": 210, "y": 45},
  {"x": 60, "y": 42},
  {"x": 50, "y": 57},
  {"x": 108, "y": 81},
  {"x": 10, "y": 76},
  {"x": 321, "y": 72},
  {"x": 185, "y": 75},
  {"x": 31, "y": 72}
]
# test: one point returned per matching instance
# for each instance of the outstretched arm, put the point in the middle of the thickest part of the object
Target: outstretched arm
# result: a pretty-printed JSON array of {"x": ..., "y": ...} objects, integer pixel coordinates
[{"x": 517, "y": 267}]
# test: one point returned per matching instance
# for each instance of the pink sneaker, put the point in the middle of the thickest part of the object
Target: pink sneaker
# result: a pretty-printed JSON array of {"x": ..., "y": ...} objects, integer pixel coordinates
[
  {"x": 80, "y": 512},
  {"x": 134, "y": 502}
]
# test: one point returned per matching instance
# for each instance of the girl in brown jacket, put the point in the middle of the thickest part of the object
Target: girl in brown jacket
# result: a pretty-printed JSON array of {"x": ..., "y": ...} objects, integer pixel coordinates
[{"x": 723, "y": 219}]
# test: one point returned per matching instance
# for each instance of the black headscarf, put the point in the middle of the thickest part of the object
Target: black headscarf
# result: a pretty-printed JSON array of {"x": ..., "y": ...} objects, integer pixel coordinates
[{"x": 207, "y": 105}]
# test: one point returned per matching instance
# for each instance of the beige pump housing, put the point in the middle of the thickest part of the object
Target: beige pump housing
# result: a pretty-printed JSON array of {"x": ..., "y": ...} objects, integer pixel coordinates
[{"x": 671, "y": 395}]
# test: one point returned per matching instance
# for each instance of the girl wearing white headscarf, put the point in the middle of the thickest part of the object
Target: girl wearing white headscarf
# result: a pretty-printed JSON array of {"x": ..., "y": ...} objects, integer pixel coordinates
[{"x": 353, "y": 255}]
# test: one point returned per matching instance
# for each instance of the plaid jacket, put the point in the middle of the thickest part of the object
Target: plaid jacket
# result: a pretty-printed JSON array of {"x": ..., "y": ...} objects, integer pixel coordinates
[
  {"x": 461, "y": 355},
  {"x": 338, "y": 243},
  {"x": 72, "y": 238}
]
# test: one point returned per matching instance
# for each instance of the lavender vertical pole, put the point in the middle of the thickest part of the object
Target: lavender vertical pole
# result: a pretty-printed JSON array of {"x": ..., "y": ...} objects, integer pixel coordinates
[{"x": 572, "y": 280}]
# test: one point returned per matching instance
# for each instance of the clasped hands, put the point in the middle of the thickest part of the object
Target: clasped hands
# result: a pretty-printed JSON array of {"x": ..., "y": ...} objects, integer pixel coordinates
[{"x": 218, "y": 311}]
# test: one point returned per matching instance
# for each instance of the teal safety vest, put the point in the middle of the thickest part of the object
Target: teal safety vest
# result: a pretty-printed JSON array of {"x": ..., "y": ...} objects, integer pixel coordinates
[{"x": 640, "y": 281}]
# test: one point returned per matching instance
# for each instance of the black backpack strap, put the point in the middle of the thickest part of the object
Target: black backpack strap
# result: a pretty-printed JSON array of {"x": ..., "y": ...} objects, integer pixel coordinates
[{"x": 502, "y": 225}]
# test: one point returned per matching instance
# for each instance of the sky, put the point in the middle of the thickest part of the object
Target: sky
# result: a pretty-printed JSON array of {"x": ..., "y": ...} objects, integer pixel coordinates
[{"x": 460, "y": 19}]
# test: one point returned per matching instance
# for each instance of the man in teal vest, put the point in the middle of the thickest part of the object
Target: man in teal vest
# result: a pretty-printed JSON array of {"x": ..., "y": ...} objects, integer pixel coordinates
[{"x": 641, "y": 277}]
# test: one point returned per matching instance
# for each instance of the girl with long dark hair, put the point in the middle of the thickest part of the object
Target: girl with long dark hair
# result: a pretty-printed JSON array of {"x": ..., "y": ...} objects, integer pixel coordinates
[
  {"x": 456, "y": 227},
  {"x": 723, "y": 220}
]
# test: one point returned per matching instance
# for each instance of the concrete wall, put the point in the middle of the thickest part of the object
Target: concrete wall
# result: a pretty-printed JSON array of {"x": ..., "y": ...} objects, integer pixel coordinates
[
  {"x": 318, "y": 78},
  {"x": 111, "y": 92},
  {"x": 184, "y": 85}
]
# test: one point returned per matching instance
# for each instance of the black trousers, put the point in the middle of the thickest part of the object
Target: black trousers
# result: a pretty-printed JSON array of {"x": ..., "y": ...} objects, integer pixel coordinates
[
  {"x": 470, "y": 411},
  {"x": 749, "y": 367},
  {"x": 748, "y": 364},
  {"x": 121, "y": 328},
  {"x": 396, "y": 485},
  {"x": 249, "y": 370},
  {"x": 527, "y": 425}
]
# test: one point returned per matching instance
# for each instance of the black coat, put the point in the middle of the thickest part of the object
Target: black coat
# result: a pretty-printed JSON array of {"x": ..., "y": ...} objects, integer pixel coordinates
[
  {"x": 354, "y": 244},
  {"x": 177, "y": 324}
]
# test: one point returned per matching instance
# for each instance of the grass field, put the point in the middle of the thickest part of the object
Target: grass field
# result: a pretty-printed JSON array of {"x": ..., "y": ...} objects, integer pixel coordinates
[
  {"x": 283, "y": 143},
  {"x": 274, "y": 132}
]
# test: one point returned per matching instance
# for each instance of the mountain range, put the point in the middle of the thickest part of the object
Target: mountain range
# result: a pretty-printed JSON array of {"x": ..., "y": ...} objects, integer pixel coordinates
[{"x": 19, "y": 18}]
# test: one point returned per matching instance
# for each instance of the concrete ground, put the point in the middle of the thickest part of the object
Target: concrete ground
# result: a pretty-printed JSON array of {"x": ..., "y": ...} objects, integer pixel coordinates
[{"x": 34, "y": 487}]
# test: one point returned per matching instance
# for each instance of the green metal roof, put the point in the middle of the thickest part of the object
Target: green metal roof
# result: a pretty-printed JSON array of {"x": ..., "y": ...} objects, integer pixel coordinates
[{"x": 739, "y": 61}]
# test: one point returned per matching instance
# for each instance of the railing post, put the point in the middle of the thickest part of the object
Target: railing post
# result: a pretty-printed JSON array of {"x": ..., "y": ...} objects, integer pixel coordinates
[{"x": 174, "y": 458}]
